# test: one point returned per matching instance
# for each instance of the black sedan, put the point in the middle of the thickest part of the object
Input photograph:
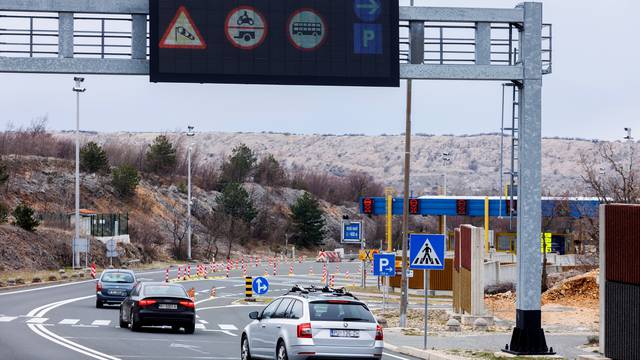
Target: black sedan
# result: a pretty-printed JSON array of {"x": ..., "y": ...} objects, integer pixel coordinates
[{"x": 158, "y": 304}]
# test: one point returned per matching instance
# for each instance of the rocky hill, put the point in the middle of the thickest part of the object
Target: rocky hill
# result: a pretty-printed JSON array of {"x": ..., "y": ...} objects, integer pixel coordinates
[
  {"x": 156, "y": 211},
  {"x": 473, "y": 170}
]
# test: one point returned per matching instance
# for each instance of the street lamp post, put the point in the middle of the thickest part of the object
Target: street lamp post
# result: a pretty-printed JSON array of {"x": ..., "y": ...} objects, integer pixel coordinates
[
  {"x": 629, "y": 139},
  {"x": 190, "y": 133},
  {"x": 77, "y": 89}
]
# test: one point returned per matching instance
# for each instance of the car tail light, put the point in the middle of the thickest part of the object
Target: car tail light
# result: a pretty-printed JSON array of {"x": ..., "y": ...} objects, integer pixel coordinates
[
  {"x": 98, "y": 286},
  {"x": 304, "y": 331},
  {"x": 145, "y": 303},
  {"x": 338, "y": 301},
  {"x": 379, "y": 333},
  {"x": 187, "y": 303}
]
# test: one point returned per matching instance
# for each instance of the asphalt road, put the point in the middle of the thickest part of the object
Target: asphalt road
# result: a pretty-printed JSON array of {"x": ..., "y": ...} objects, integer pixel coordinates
[{"x": 62, "y": 322}]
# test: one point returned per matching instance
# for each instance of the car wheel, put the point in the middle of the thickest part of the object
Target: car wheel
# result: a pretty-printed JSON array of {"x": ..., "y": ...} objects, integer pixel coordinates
[
  {"x": 99, "y": 304},
  {"x": 190, "y": 329},
  {"x": 244, "y": 349},
  {"x": 123, "y": 323},
  {"x": 134, "y": 325},
  {"x": 281, "y": 351}
]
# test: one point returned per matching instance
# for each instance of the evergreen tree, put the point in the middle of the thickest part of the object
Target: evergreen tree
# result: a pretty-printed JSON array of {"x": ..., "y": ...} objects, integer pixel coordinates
[
  {"x": 125, "y": 179},
  {"x": 235, "y": 202},
  {"x": 161, "y": 156},
  {"x": 93, "y": 158},
  {"x": 238, "y": 166},
  {"x": 24, "y": 218},
  {"x": 308, "y": 222},
  {"x": 4, "y": 173}
]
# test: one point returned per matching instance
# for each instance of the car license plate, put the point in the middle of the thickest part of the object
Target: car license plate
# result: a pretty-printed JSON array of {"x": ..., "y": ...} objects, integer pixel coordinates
[
  {"x": 168, "y": 306},
  {"x": 345, "y": 333},
  {"x": 116, "y": 292}
]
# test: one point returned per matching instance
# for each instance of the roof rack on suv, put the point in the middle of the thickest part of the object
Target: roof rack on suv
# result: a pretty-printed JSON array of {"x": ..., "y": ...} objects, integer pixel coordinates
[{"x": 305, "y": 291}]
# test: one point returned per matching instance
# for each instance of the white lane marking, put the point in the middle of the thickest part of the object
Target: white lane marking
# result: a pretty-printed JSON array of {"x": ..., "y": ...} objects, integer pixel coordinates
[
  {"x": 44, "y": 310},
  {"x": 227, "y": 327},
  {"x": 46, "y": 287},
  {"x": 200, "y": 326},
  {"x": 69, "y": 321},
  {"x": 37, "y": 320},
  {"x": 44, "y": 332},
  {"x": 7, "y": 318},
  {"x": 203, "y": 321},
  {"x": 222, "y": 331},
  {"x": 101, "y": 322},
  {"x": 395, "y": 356}
]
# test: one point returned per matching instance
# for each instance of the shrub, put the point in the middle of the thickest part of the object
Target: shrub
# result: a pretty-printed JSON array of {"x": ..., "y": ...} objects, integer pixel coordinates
[
  {"x": 4, "y": 213},
  {"x": 93, "y": 158},
  {"x": 238, "y": 166},
  {"x": 125, "y": 179},
  {"x": 23, "y": 215}
]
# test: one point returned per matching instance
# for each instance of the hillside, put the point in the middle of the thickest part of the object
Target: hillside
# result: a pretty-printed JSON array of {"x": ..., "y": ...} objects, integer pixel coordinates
[
  {"x": 155, "y": 211},
  {"x": 474, "y": 166}
]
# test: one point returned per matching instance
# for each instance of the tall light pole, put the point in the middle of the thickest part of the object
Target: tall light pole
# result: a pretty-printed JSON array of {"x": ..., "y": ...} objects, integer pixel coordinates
[
  {"x": 77, "y": 89},
  {"x": 190, "y": 133},
  {"x": 629, "y": 139},
  {"x": 446, "y": 160}
]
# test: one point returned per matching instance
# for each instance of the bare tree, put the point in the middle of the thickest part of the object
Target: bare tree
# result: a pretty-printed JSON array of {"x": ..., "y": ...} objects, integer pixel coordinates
[
  {"x": 176, "y": 225},
  {"x": 614, "y": 182}
]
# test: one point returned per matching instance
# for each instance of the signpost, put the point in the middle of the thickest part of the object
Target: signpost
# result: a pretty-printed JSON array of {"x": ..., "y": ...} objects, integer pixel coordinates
[
  {"x": 260, "y": 285},
  {"x": 304, "y": 42},
  {"x": 426, "y": 252},
  {"x": 111, "y": 250},
  {"x": 384, "y": 265},
  {"x": 351, "y": 232}
]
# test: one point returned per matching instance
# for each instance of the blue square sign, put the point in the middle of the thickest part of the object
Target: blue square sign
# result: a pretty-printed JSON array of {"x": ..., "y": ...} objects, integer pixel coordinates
[
  {"x": 367, "y": 38},
  {"x": 384, "y": 264},
  {"x": 426, "y": 251},
  {"x": 351, "y": 231}
]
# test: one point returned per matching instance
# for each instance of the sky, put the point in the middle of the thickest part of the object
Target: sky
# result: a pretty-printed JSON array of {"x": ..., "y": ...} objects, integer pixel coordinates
[{"x": 592, "y": 93}]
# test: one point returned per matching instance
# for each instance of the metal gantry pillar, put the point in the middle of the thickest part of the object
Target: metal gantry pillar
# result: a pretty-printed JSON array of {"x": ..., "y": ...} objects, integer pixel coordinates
[{"x": 528, "y": 336}]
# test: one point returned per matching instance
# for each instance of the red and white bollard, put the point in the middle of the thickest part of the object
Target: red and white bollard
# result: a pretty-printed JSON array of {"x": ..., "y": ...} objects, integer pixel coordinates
[
  {"x": 189, "y": 270},
  {"x": 213, "y": 292},
  {"x": 337, "y": 268},
  {"x": 93, "y": 270},
  {"x": 310, "y": 270},
  {"x": 291, "y": 270},
  {"x": 166, "y": 275},
  {"x": 332, "y": 281},
  {"x": 300, "y": 260},
  {"x": 274, "y": 269},
  {"x": 179, "y": 272},
  {"x": 346, "y": 275}
]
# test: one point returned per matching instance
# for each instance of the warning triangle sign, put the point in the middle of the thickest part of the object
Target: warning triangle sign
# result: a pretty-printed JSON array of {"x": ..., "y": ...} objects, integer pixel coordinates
[
  {"x": 182, "y": 33},
  {"x": 426, "y": 256}
]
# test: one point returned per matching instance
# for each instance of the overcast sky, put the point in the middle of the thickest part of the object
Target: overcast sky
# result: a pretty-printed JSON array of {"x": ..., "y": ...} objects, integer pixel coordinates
[{"x": 592, "y": 93}]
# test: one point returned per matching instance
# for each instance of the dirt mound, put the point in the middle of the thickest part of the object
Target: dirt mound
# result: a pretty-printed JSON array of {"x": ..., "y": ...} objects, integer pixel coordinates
[{"x": 579, "y": 289}]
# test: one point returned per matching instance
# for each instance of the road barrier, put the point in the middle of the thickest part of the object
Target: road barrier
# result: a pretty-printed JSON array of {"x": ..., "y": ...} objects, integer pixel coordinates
[
  {"x": 93, "y": 270},
  {"x": 328, "y": 256}
]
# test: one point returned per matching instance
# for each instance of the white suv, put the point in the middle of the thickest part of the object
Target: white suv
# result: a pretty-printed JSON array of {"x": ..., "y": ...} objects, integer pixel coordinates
[{"x": 313, "y": 323}]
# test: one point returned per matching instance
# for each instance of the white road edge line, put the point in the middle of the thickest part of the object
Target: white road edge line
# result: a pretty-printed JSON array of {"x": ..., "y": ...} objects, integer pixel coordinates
[
  {"x": 46, "y": 287},
  {"x": 395, "y": 356},
  {"x": 42, "y": 331}
]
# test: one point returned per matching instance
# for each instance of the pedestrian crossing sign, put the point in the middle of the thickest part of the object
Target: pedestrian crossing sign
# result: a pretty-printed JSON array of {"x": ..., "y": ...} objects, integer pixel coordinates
[{"x": 426, "y": 251}]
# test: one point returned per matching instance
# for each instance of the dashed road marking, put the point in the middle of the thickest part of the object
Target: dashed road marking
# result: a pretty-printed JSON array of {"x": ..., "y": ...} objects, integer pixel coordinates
[
  {"x": 37, "y": 320},
  {"x": 101, "y": 322},
  {"x": 200, "y": 326},
  {"x": 69, "y": 321},
  {"x": 203, "y": 321},
  {"x": 227, "y": 327},
  {"x": 7, "y": 318}
]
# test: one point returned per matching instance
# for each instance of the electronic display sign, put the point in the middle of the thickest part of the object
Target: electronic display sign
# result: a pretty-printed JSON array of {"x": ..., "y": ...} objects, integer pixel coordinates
[{"x": 303, "y": 42}]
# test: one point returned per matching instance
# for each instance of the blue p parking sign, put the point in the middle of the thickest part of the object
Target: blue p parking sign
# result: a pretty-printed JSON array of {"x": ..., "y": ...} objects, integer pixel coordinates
[{"x": 384, "y": 264}]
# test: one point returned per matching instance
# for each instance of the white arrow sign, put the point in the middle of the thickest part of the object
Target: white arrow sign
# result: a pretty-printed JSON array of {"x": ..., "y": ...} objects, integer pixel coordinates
[{"x": 372, "y": 6}]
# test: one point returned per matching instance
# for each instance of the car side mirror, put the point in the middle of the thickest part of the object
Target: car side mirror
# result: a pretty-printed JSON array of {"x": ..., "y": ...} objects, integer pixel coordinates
[{"x": 254, "y": 315}]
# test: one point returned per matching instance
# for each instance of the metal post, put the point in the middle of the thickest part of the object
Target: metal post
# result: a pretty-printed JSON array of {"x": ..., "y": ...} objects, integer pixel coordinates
[
  {"x": 501, "y": 153},
  {"x": 190, "y": 133},
  {"x": 426, "y": 307},
  {"x": 528, "y": 336},
  {"x": 77, "y": 89}
]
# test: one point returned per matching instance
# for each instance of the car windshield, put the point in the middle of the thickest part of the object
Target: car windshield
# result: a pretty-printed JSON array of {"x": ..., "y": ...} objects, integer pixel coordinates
[
  {"x": 117, "y": 277},
  {"x": 339, "y": 311},
  {"x": 164, "y": 290}
]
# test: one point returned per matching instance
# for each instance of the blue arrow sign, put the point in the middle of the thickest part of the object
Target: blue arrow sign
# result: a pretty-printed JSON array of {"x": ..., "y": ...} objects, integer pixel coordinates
[
  {"x": 260, "y": 285},
  {"x": 384, "y": 264},
  {"x": 426, "y": 251}
]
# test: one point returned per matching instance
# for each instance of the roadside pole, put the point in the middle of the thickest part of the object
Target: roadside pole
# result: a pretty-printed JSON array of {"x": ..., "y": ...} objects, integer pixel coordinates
[
  {"x": 426, "y": 307},
  {"x": 190, "y": 133},
  {"x": 77, "y": 89}
]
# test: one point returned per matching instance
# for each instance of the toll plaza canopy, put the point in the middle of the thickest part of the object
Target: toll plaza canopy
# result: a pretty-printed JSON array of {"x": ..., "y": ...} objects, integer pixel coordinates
[{"x": 575, "y": 207}]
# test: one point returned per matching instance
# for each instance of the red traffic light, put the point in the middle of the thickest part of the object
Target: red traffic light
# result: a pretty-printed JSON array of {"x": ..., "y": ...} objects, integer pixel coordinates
[
  {"x": 367, "y": 205},
  {"x": 461, "y": 207},
  {"x": 414, "y": 206}
]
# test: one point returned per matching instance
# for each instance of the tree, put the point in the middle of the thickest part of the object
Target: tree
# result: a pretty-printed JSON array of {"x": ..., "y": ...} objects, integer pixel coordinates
[
  {"x": 93, "y": 158},
  {"x": 610, "y": 179},
  {"x": 308, "y": 221},
  {"x": 125, "y": 179},
  {"x": 176, "y": 224},
  {"x": 4, "y": 173},
  {"x": 161, "y": 156},
  {"x": 4, "y": 213},
  {"x": 238, "y": 166},
  {"x": 234, "y": 201},
  {"x": 269, "y": 172},
  {"x": 24, "y": 218}
]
